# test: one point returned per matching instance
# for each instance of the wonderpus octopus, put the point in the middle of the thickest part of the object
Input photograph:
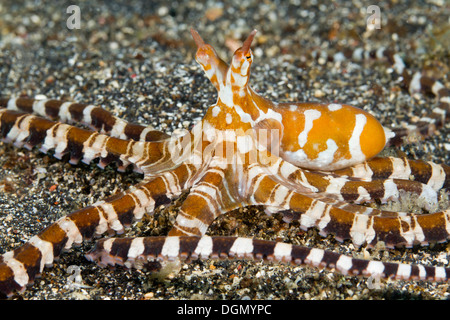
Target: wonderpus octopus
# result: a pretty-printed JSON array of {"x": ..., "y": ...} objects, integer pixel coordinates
[{"x": 314, "y": 163}]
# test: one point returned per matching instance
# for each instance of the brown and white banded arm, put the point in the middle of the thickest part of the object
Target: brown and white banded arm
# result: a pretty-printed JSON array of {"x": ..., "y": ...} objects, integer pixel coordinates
[
  {"x": 19, "y": 267},
  {"x": 95, "y": 117},
  {"x": 209, "y": 197},
  {"x": 362, "y": 229},
  {"x": 140, "y": 252},
  {"x": 435, "y": 175},
  {"x": 27, "y": 130},
  {"x": 360, "y": 184}
]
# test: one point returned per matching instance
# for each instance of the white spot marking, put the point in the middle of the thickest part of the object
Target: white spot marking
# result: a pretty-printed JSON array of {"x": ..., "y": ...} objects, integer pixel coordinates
[
  {"x": 242, "y": 247},
  {"x": 136, "y": 248},
  {"x": 379, "y": 53},
  {"x": 71, "y": 230},
  {"x": 215, "y": 111},
  {"x": 310, "y": 116},
  {"x": 354, "y": 144},
  {"x": 390, "y": 190},
  {"x": 228, "y": 118},
  {"x": 437, "y": 178},
  {"x": 437, "y": 86},
  {"x": 326, "y": 157},
  {"x": 375, "y": 268},
  {"x": 344, "y": 264},
  {"x": 182, "y": 220},
  {"x": 204, "y": 247},
  {"x": 314, "y": 213},
  {"x": 440, "y": 274},
  {"x": 20, "y": 273},
  {"x": 118, "y": 130},
  {"x": 46, "y": 249},
  {"x": 282, "y": 251},
  {"x": 87, "y": 114},
  {"x": 64, "y": 114},
  {"x": 315, "y": 257},
  {"x": 334, "y": 107},
  {"x": 171, "y": 247},
  {"x": 39, "y": 107},
  {"x": 358, "y": 54},
  {"x": 399, "y": 65},
  {"x": 362, "y": 230},
  {"x": 244, "y": 143},
  {"x": 12, "y": 105},
  {"x": 403, "y": 271},
  {"x": 414, "y": 85}
]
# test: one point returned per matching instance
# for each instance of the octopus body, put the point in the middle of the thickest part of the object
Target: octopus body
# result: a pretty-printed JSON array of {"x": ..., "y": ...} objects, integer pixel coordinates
[{"x": 314, "y": 163}]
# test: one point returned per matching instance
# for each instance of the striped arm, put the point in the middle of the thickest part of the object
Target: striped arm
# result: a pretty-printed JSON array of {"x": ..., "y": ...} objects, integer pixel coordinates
[
  {"x": 28, "y": 130},
  {"x": 140, "y": 252},
  {"x": 289, "y": 215},
  {"x": 395, "y": 230},
  {"x": 384, "y": 190},
  {"x": 95, "y": 117},
  {"x": 360, "y": 184},
  {"x": 435, "y": 175},
  {"x": 209, "y": 197},
  {"x": 19, "y": 267}
]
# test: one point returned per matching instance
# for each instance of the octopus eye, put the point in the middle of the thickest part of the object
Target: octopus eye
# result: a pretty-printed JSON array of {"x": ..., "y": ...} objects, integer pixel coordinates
[{"x": 248, "y": 57}]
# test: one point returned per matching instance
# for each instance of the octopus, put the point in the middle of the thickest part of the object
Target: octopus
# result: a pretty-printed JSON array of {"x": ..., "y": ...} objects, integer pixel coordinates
[{"x": 313, "y": 163}]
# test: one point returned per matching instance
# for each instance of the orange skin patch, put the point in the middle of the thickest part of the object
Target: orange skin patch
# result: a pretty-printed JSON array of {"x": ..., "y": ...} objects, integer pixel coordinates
[{"x": 336, "y": 125}]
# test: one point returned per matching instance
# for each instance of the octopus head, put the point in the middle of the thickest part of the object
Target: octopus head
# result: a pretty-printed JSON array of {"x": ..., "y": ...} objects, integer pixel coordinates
[
  {"x": 239, "y": 71},
  {"x": 206, "y": 56}
]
